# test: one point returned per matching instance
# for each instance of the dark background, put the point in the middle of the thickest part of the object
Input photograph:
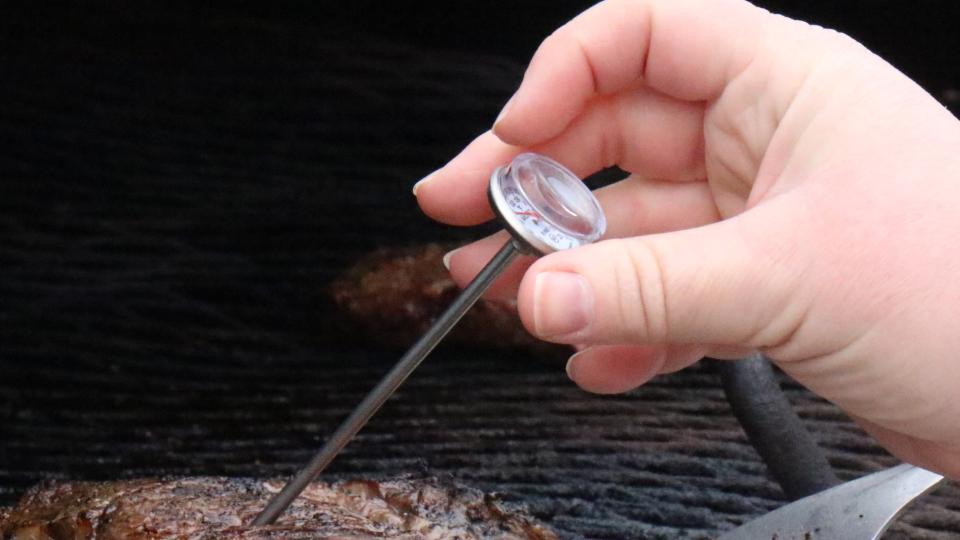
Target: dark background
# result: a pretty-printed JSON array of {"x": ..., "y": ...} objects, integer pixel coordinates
[
  {"x": 178, "y": 184},
  {"x": 918, "y": 37}
]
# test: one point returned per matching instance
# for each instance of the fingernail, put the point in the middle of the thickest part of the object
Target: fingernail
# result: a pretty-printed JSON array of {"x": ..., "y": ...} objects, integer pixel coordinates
[
  {"x": 423, "y": 181},
  {"x": 572, "y": 366},
  {"x": 446, "y": 258},
  {"x": 562, "y": 304},
  {"x": 505, "y": 110}
]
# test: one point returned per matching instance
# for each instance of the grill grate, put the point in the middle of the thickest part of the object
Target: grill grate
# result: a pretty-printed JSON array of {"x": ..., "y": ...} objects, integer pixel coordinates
[{"x": 176, "y": 193}]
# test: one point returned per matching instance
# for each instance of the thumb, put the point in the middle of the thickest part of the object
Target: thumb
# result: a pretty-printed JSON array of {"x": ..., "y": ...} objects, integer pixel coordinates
[{"x": 728, "y": 283}]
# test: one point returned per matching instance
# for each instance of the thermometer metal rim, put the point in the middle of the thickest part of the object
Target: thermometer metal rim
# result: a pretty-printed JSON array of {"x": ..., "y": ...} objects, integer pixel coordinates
[{"x": 528, "y": 242}]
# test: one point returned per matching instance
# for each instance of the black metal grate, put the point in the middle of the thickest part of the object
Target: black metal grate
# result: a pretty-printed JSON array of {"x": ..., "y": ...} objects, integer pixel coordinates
[{"x": 176, "y": 193}]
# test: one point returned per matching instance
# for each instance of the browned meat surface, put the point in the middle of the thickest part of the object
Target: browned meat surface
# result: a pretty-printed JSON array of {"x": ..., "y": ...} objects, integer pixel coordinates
[
  {"x": 395, "y": 294},
  {"x": 213, "y": 508}
]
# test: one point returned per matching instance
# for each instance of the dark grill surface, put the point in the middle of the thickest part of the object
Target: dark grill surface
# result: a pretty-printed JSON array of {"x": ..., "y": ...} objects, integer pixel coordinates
[{"x": 171, "y": 210}]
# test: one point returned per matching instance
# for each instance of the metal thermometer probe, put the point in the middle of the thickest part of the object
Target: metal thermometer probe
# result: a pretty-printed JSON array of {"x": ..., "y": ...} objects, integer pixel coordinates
[{"x": 546, "y": 208}]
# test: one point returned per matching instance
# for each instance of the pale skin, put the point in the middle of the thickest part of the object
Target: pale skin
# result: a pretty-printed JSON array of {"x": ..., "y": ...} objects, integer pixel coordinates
[{"x": 790, "y": 192}]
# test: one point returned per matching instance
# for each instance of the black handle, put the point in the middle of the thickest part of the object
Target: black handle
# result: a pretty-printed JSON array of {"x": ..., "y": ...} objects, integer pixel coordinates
[{"x": 791, "y": 454}]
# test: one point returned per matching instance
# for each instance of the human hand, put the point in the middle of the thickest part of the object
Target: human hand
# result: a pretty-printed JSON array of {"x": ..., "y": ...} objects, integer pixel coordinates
[{"x": 790, "y": 193}]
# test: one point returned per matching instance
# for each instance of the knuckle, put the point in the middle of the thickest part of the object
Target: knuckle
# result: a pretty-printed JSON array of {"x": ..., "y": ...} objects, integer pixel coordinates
[
  {"x": 641, "y": 292},
  {"x": 553, "y": 41}
]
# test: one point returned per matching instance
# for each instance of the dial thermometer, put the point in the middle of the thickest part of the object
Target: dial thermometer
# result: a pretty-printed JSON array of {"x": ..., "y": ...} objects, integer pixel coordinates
[{"x": 546, "y": 208}]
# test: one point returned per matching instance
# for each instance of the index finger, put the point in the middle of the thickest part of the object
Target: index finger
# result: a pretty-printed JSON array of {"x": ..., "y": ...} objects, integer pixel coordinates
[{"x": 687, "y": 49}]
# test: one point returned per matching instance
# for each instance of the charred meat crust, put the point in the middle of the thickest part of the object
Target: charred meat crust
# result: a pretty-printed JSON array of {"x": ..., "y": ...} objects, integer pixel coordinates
[
  {"x": 394, "y": 294},
  {"x": 209, "y": 508}
]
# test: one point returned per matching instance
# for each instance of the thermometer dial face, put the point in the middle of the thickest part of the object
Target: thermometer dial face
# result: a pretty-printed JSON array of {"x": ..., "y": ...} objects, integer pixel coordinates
[
  {"x": 544, "y": 205},
  {"x": 534, "y": 224}
]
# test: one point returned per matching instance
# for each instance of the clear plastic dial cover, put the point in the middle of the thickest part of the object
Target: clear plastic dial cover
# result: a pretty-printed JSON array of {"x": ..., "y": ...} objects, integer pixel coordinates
[{"x": 545, "y": 205}]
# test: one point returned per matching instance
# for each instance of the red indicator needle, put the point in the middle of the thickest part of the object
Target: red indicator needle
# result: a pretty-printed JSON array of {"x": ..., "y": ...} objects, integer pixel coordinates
[{"x": 530, "y": 213}]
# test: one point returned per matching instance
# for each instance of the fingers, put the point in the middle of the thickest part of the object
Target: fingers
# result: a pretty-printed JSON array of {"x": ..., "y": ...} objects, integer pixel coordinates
[
  {"x": 457, "y": 192},
  {"x": 641, "y": 131},
  {"x": 687, "y": 49},
  {"x": 637, "y": 205},
  {"x": 716, "y": 284},
  {"x": 633, "y": 206},
  {"x": 939, "y": 457},
  {"x": 612, "y": 369},
  {"x": 466, "y": 262}
]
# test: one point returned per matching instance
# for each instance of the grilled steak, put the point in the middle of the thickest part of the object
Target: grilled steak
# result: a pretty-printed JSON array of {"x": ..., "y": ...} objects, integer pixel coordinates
[
  {"x": 395, "y": 294},
  {"x": 216, "y": 508}
]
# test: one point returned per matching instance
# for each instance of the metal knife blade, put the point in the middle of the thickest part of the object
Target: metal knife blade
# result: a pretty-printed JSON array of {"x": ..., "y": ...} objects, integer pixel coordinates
[{"x": 861, "y": 509}]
